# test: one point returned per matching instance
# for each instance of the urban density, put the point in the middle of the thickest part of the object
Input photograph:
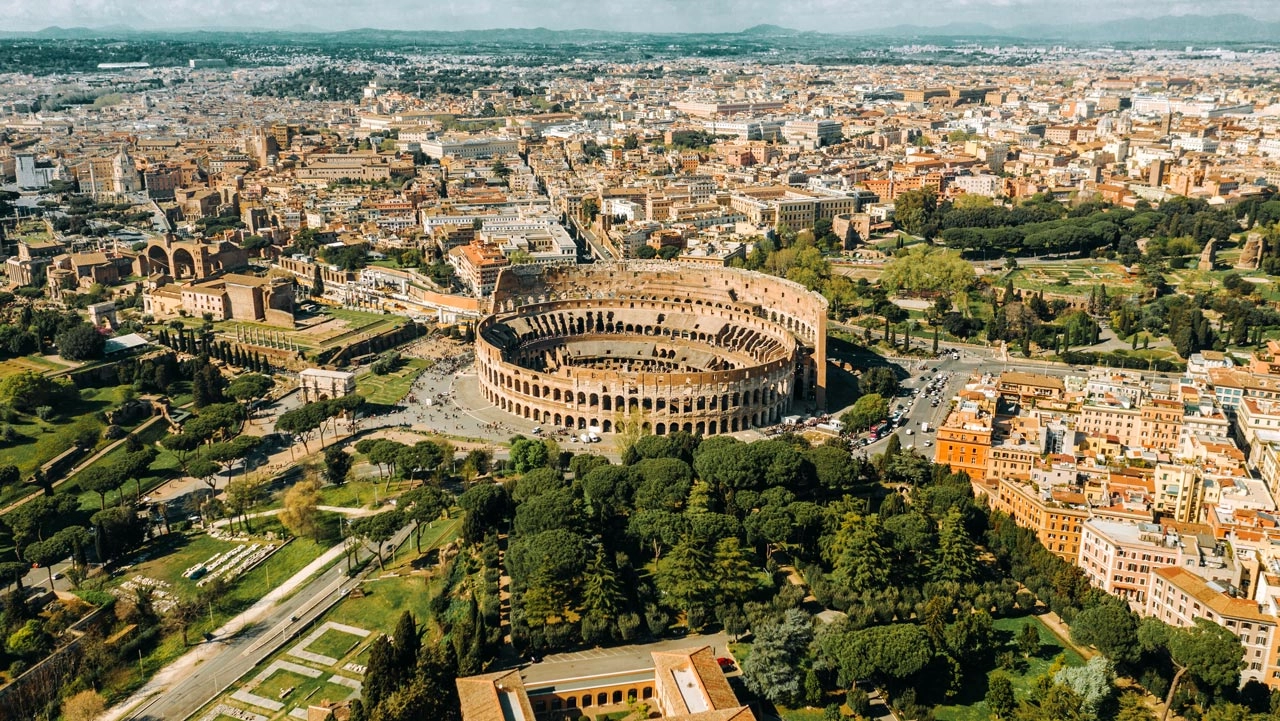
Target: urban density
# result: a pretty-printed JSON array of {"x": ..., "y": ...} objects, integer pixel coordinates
[{"x": 930, "y": 373}]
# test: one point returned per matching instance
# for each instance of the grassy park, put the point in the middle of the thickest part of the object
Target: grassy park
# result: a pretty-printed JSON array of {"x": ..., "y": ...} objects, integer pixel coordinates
[
  {"x": 389, "y": 389},
  {"x": 972, "y": 707},
  {"x": 382, "y": 598},
  {"x": 1080, "y": 277}
]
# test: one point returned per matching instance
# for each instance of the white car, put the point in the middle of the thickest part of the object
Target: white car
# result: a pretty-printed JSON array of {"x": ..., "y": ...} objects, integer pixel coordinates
[
  {"x": 928, "y": 443},
  {"x": 910, "y": 432}
]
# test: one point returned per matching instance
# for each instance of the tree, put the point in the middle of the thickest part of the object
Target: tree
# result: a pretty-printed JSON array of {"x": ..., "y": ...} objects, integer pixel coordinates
[
  {"x": 384, "y": 674},
  {"x": 922, "y": 270},
  {"x": 80, "y": 342},
  {"x": 423, "y": 506},
  {"x": 207, "y": 385},
  {"x": 487, "y": 506},
  {"x": 406, "y": 641},
  {"x": 686, "y": 577},
  {"x": 834, "y": 471},
  {"x": 1133, "y": 707},
  {"x": 956, "y": 559},
  {"x": 774, "y": 669},
  {"x": 29, "y": 641},
  {"x": 377, "y": 529},
  {"x": 1029, "y": 640},
  {"x": 879, "y": 380},
  {"x": 317, "y": 283},
  {"x": 84, "y": 706},
  {"x": 102, "y": 478},
  {"x": 860, "y": 560},
  {"x": 999, "y": 698},
  {"x": 1091, "y": 682},
  {"x": 182, "y": 444},
  {"x": 1209, "y": 652},
  {"x": 1109, "y": 627},
  {"x": 46, "y": 553},
  {"x": 250, "y": 387},
  {"x": 337, "y": 465},
  {"x": 301, "y": 512},
  {"x": 866, "y": 412},
  {"x": 243, "y": 494},
  {"x": 735, "y": 574}
]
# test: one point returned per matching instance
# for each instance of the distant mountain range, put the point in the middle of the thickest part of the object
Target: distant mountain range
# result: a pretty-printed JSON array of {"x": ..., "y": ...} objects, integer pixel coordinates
[
  {"x": 1192, "y": 29},
  {"x": 1164, "y": 29}
]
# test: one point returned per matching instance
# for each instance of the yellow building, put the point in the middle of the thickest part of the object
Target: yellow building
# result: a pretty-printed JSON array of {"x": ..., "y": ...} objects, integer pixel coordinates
[{"x": 1056, "y": 519}]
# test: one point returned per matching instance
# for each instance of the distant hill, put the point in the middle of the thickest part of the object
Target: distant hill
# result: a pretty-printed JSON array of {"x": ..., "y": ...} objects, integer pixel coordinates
[
  {"x": 1166, "y": 28},
  {"x": 1190, "y": 29}
]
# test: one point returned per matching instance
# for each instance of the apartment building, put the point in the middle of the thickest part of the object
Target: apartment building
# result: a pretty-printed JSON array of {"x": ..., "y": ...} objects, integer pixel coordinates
[
  {"x": 1116, "y": 418},
  {"x": 1119, "y": 557},
  {"x": 1178, "y": 597},
  {"x": 477, "y": 265},
  {"x": 1029, "y": 388},
  {"x": 1257, "y": 423},
  {"x": 1056, "y": 517},
  {"x": 797, "y": 208},
  {"x": 964, "y": 442},
  {"x": 1161, "y": 427},
  {"x": 470, "y": 147}
]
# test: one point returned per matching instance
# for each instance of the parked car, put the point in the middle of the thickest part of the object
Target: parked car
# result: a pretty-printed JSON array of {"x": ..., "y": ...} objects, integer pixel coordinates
[{"x": 726, "y": 664}]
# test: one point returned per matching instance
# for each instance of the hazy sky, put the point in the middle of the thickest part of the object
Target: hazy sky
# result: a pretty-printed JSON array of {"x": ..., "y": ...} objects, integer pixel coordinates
[{"x": 640, "y": 15}]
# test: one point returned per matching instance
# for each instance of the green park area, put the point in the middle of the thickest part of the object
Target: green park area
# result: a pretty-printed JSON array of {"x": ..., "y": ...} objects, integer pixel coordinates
[
  {"x": 1073, "y": 277},
  {"x": 34, "y": 363},
  {"x": 390, "y": 388},
  {"x": 325, "y": 659},
  {"x": 33, "y": 438},
  {"x": 1023, "y": 673},
  {"x": 329, "y": 328}
]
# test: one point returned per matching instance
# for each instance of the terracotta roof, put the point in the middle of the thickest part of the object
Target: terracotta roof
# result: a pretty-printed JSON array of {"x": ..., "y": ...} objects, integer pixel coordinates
[
  {"x": 712, "y": 685},
  {"x": 1212, "y": 599},
  {"x": 480, "y": 701}
]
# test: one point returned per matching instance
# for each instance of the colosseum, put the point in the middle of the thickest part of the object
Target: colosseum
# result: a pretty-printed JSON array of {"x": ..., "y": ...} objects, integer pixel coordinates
[{"x": 700, "y": 349}]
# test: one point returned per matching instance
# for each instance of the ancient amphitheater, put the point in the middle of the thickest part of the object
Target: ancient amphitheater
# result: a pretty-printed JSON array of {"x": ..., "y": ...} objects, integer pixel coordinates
[{"x": 701, "y": 349}]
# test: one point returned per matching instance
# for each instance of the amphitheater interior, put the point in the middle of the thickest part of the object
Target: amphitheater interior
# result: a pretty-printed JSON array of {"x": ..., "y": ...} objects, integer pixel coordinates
[{"x": 668, "y": 346}]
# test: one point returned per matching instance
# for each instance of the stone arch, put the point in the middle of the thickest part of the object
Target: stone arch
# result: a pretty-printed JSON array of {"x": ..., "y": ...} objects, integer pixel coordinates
[
  {"x": 182, "y": 264},
  {"x": 660, "y": 429},
  {"x": 158, "y": 258}
]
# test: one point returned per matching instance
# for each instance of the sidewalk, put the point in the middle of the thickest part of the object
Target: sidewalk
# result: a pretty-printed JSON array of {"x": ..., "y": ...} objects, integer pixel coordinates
[{"x": 357, "y": 512}]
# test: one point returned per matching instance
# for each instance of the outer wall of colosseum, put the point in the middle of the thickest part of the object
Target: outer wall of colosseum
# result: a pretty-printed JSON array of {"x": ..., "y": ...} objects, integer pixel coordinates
[{"x": 706, "y": 350}]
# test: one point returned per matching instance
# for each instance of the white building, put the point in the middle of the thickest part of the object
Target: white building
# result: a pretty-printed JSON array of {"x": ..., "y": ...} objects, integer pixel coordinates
[{"x": 318, "y": 384}]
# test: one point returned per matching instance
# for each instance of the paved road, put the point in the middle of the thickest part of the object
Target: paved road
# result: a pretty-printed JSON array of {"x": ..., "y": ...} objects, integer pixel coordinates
[{"x": 224, "y": 660}]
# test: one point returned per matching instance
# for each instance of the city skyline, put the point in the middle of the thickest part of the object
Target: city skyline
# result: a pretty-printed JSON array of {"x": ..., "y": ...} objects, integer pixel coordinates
[{"x": 661, "y": 16}]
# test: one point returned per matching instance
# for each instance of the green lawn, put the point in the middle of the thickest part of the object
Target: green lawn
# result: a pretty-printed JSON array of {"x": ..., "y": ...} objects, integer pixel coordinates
[
  {"x": 973, "y": 708},
  {"x": 378, "y": 611},
  {"x": 273, "y": 686},
  {"x": 175, "y": 553},
  {"x": 40, "y": 441},
  {"x": 386, "y": 598},
  {"x": 1081, "y": 276},
  {"x": 39, "y": 364},
  {"x": 390, "y": 388},
  {"x": 334, "y": 644},
  {"x": 164, "y": 467}
]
